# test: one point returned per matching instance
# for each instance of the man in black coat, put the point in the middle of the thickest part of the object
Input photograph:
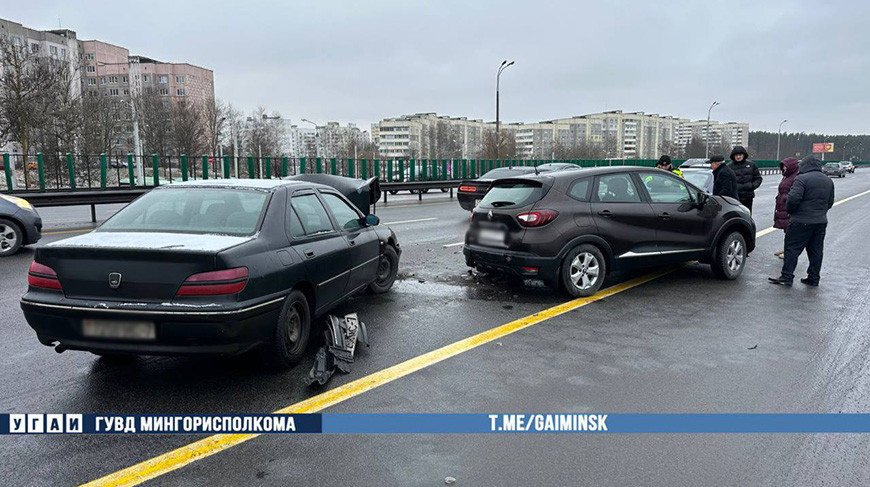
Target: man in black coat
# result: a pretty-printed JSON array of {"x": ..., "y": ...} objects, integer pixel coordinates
[
  {"x": 748, "y": 176},
  {"x": 810, "y": 198},
  {"x": 724, "y": 180}
]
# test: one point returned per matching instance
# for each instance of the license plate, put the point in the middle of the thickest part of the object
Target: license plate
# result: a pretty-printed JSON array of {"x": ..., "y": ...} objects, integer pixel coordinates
[
  {"x": 490, "y": 236},
  {"x": 125, "y": 330}
]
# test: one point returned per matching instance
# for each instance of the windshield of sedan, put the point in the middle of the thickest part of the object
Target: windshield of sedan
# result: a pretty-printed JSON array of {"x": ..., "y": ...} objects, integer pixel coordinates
[
  {"x": 698, "y": 178},
  {"x": 192, "y": 210}
]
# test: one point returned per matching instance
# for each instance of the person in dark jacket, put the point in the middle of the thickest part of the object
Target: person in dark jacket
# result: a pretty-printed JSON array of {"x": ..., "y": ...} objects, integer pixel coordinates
[
  {"x": 789, "y": 168},
  {"x": 810, "y": 198},
  {"x": 748, "y": 176},
  {"x": 724, "y": 180}
]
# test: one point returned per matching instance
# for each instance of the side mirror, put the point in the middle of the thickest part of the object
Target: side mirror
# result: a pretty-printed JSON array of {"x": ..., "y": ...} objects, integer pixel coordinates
[{"x": 372, "y": 220}]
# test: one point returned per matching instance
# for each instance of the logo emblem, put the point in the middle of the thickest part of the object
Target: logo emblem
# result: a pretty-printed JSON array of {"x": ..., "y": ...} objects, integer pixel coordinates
[
  {"x": 489, "y": 214},
  {"x": 115, "y": 280}
]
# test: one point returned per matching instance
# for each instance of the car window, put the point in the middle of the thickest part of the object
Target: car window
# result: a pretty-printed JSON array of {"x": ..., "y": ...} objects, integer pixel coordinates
[
  {"x": 663, "y": 188},
  {"x": 296, "y": 229},
  {"x": 579, "y": 189},
  {"x": 698, "y": 178},
  {"x": 312, "y": 215},
  {"x": 514, "y": 194},
  {"x": 617, "y": 188},
  {"x": 346, "y": 217},
  {"x": 192, "y": 210}
]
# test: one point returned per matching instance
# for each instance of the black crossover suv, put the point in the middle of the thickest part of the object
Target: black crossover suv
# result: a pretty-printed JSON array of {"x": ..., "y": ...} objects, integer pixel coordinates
[
  {"x": 211, "y": 267},
  {"x": 569, "y": 228}
]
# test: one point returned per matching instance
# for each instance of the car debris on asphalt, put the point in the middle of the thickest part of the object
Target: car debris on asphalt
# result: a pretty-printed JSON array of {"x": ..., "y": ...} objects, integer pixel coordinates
[{"x": 341, "y": 336}]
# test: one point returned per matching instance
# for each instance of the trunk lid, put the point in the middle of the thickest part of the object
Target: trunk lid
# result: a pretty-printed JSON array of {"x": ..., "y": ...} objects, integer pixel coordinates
[
  {"x": 498, "y": 212},
  {"x": 151, "y": 265}
]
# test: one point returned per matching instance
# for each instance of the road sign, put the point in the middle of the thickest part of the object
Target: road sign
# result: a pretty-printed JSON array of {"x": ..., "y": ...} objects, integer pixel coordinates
[{"x": 821, "y": 147}]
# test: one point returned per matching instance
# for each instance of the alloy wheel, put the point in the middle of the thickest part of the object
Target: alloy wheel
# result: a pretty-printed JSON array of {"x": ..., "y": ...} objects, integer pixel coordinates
[
  {"x": 735, "y": 255},
  {"x": 8, "y": 238},
  {"x": 584, "y": 270}
]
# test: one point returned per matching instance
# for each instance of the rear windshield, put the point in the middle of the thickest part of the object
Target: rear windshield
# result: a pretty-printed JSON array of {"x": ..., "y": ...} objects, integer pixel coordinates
[
  {"x": 506, "y": 172},
  {"x": 192, "y": 210},
  {"x": 512, "y": 194},
  {"x": 832, "y": 165}
]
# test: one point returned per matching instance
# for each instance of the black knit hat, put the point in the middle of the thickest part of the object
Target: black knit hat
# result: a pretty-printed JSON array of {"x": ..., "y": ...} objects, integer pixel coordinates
[
  {"x": 717, "y": 158},
  {"x": 664, "y": 160}
]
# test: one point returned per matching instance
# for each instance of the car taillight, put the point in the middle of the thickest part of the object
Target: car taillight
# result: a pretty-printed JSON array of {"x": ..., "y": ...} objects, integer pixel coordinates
[
  {"x": 42, "y": 276},
  {"x": 468, "y": 189},
  {"x": 215, "y": 283},
  {"x": 537, "y": 218}
]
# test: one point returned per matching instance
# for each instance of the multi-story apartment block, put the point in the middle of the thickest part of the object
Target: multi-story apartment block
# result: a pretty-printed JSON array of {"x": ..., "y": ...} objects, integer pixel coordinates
[
  {"x": 634, "y": 135},
  {"x": 109, "y": 70}
]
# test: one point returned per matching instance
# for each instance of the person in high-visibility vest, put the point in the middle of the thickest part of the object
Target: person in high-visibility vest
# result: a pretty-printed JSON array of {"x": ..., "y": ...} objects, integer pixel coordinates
[{"x": 665, "y": 163}]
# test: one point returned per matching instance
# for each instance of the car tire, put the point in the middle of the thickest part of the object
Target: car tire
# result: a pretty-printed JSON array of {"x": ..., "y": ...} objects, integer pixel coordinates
[
  {"x": 292, "y": 331},
  {"x": 393, "y": 191},
  {"x": 11, "y": 237},
  {"x": 388, "y": 268},
  {"x": 583, "y": 271},
  {"x": 729, "y": 258},
  {"x": 444, "y": 190}
]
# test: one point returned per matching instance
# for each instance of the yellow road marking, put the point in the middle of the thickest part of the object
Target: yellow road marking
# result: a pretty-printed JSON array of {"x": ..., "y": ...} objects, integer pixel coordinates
[
  {"x": 198, "y": 450},
  {"x": 78, "y": 230},
  {"x": 175, "y": 459}
]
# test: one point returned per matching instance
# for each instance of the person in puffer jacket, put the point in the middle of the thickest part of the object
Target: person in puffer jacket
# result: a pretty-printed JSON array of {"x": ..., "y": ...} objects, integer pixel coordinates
[
  {"x": 748, "y": 176},
  {"x": 810, "y": 198},
  {"x": 789, "y": 168}
]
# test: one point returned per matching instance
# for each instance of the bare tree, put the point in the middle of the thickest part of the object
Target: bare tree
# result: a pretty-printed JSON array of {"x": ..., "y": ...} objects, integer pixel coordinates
[
  {"x": 695, "y": 147},
  {"x": 188, "y": 130},
  {"x": 581, "y": 149},
  {"x": 491, "y": 150},
  {"x": 215, "y": 114},
  {"x": 155, "y": 123}
]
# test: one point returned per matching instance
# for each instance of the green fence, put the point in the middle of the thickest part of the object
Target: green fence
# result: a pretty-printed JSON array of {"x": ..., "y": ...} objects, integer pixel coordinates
[{"x": 71, "y": 172}]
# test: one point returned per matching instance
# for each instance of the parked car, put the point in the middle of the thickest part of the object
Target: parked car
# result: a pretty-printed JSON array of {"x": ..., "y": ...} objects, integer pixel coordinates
[
  {"x": 472, "y": 191},
  {"x": 848, "y": 166},
  {"x": 210, "y": 267},
  {"x": 700, "y": 176},
  {"x": 834, "y": 169},
  {"x": 571, "y": 228},
  {"x": 695, "y": 162},
  {"x": 20, "y": 224}
]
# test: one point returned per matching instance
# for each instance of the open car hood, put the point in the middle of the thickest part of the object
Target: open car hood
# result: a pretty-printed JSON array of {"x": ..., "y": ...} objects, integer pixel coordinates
[{"x": 362, "y": 193}]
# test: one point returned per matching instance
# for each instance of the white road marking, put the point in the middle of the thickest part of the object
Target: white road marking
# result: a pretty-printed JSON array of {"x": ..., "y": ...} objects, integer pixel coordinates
[
  {"x": 851, "y": 197},
  {"x": 457, "y": 244},
  {"x": 411, "y": 221}
]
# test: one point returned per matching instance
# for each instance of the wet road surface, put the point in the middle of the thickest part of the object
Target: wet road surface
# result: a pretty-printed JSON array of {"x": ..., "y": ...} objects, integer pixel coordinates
[{"x": 682, "y": 343}]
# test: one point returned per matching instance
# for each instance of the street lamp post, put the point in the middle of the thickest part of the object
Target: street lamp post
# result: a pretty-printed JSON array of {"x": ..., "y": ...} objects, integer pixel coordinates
[
  {"x": 707, "y": 135},
  {"x": 778, "y": 134},
  {"x": 316, "y": 137},
  {"x": 504, "y": 65}
]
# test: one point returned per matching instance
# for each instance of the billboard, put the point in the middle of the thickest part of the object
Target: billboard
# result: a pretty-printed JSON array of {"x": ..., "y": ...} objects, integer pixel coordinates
[{"x": 820, "y": 147}]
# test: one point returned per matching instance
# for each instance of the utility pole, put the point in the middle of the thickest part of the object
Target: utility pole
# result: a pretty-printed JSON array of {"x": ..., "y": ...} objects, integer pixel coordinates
[
  {"x": 707, "y": 149},
  {"x": 504, "y": 65},
  {"x": 778, "y": 133}
]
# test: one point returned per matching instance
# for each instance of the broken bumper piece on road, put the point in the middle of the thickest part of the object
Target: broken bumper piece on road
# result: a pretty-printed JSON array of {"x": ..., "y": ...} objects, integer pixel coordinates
[{"x": 341, "y": 337}]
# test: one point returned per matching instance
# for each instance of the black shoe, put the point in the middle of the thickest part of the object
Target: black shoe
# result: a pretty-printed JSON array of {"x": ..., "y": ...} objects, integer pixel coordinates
[
  {"x": 779, "y": 280},
  {"x": 808, "y": 282}
]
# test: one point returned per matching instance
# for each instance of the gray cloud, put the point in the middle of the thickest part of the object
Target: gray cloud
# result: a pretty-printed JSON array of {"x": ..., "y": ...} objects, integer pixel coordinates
[{"x": 361, "y": 61}]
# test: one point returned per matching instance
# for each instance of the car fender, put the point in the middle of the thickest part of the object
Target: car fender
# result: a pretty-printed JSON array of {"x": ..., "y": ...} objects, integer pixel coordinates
[
  {"x": 588, "y": 238},
  {"x": 730, "y": 224}
]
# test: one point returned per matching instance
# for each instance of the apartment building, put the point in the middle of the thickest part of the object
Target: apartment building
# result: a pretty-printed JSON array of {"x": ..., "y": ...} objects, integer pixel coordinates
[
  {"x": 109, "y": 70},
  {"x": 623, "y": 135},
  {"x": 428, "y": 135}
]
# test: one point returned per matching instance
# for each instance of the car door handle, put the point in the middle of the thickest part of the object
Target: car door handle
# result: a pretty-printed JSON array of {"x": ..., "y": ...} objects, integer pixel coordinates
[
  {"x": 664, "y": 215},
  {"x": 308, "y": 253},
  {"x": 605, "y": 213}
]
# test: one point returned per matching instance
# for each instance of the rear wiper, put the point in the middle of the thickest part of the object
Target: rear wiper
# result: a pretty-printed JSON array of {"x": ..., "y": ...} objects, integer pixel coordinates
[{"x": 497, "y": 204}]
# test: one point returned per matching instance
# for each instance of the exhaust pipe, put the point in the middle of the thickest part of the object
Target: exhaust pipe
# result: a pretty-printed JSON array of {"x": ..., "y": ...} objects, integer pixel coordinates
[{"x": 60, "y": 348}]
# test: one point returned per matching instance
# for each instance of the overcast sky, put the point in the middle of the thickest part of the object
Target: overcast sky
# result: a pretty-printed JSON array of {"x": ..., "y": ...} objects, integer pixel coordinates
[{"x": 364, "y": 60}]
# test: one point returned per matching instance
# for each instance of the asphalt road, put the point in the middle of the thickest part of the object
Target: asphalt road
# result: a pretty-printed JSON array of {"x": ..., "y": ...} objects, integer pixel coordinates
[{"x": 682, "y": 343}]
